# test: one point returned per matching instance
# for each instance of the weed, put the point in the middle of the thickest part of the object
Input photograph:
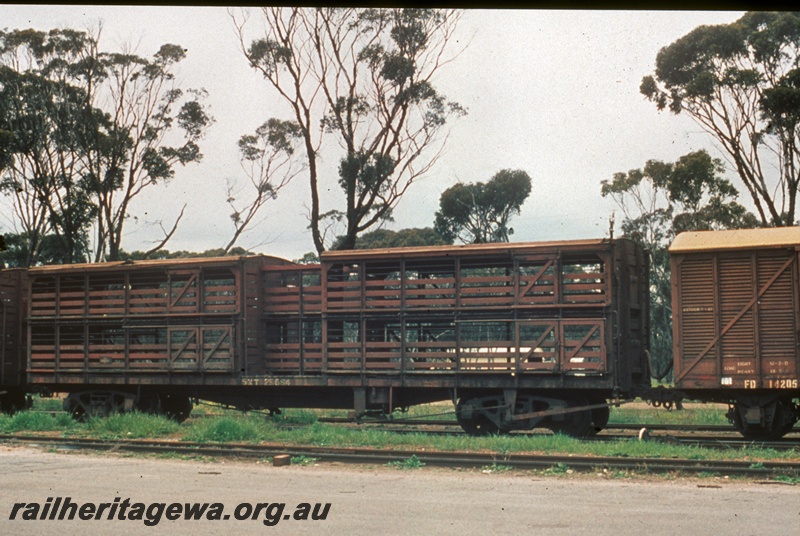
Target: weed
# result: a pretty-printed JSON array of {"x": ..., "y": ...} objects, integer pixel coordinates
[
  {"x": 409, "y": 463},
  {"x": 558, "y": 469},
  {"x": 47, "y": 404},
  {"x": 792, "y": 480},
  {"x": 132, "y": 426},
  {"x": 708, "y": 474},
  {"x": 229, "y": 429},
  {"x": 35, "y": 422},
  {"x": 693, "y": 413},
  {"x": 304, "y": 460},
  {"x": 297, "y": 416},
  {"x": 757, "y": 465},
  {"x": 496, "y": 468}
]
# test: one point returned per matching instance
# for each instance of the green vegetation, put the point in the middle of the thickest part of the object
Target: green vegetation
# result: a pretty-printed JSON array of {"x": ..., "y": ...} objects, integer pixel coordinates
[
  {"x": 409, "y": 463},
  {"x": 300, "y": 427},
  {"x": 496, "y": 468},
  {"x": 29, "y": 421},
  {"x": 229, "y": 429},
  {"x": 47, "y": 404},
  {"x": 558, "y": 469},
  {"x": 693, "y": 414},
  {"x": 791, "y": 480},
  {"x": 132, "y": 426},
  {"x": 304, "y": 460}
]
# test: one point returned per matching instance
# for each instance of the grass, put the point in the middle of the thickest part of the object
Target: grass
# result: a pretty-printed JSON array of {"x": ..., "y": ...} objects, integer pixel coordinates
[
  {"x": 47, "y": 404},
  {"x": 132, "y": 426},
  {"x": 409, "y": 463},
  {"x": 304, "y": 460},
  {"x": 693, "y": 414},
  {"x": 496, "y": 468},
  {"x": 256, "y": 427},
  {"x": 229, "y": 430},
  {"x": 28, "y": 421}
]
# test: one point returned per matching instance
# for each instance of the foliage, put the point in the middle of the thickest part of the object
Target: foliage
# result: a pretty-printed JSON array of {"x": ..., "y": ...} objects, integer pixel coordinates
[
  {"x": 692, "y": 414},
  {"x": 40, "y": 124},
  {"x": 182, "y": 254},
  {"x": 308, "y": 258},
  {"x": 30, "y": 421},
  {"x": 660, "y": 201},
  {"x": 362, "y": 79},
  {"x": 84, "y": 132},
  {"x": 480, "y": 212},
  {"x": 385, "y": 238},
  {"x": 741, "y": 83},
  {"x": 255, "y": 428},
  {"x": 267, "y": 159}
]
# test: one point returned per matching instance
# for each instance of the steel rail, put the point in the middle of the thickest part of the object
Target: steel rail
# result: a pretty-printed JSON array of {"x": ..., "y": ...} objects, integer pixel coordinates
[
  {"x": 690, "y": 428},
  {"x": 358, "y": 455}
]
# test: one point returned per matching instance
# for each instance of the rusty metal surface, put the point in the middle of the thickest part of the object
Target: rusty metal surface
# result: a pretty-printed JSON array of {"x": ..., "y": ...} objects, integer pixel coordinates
[{"x": 735, "y": 319}]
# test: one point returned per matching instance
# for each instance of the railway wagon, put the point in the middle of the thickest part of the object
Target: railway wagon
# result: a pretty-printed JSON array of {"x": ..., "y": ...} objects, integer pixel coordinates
[
  {"x": 13, "y": 383},
  {"x": 736, "y": 324},
  {"x": 146, "y": 335},
  {"x": 518, "y": 335}
]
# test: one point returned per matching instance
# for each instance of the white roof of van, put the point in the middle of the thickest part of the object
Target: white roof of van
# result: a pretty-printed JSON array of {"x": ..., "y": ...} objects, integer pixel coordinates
[{"x": 773, "y": 237}]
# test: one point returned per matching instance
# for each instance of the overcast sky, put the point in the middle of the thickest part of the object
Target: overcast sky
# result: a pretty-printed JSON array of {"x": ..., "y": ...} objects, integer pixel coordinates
[{"x": 555, "y": 93}]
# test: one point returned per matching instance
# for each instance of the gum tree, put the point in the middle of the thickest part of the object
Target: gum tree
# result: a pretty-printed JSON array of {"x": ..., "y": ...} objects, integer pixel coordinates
[
  {"x": 86, "y": 131},
  {"x": 267, "y": 160},
  {"x": 741, "y": 83},
  {"x": 362, "y": 80},
  {"x": 480, "y": 212}
]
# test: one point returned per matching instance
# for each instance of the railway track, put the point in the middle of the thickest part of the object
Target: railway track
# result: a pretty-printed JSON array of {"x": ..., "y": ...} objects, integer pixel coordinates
[
  {"x": 610, "y": 426},
  {"x": 707, "y": 436},
  {"x": 762, "y": 470}
]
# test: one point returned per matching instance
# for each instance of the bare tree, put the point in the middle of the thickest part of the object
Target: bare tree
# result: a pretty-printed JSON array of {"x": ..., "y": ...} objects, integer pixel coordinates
[
  {"x": 266, "y": 159},
  {"x": 363, "y": 77}
]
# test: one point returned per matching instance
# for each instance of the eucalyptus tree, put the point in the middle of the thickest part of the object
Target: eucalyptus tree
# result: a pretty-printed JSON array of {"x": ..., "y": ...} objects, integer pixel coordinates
[
  {"x": 93, "y": 130},
  {"x": 266, "y": 157},
  {"x": 363, "y": 79},
  {"x": 480, "y": 212},
  {"x": 741, "y": 83},
  {"x": 386, "y": 238},
  {"x": 41, "y": 118}
]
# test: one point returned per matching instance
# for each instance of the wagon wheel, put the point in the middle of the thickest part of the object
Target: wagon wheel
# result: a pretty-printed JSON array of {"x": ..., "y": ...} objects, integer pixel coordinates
[
  {"x": 600, "y": 418},
  {"x": 177, "y": 408},
  {"x": 781, "y": 424},
  {"x": 79, "y": 414},
  {"x": 575, "y": 424},
  {"x": 476, "y": 425}
]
